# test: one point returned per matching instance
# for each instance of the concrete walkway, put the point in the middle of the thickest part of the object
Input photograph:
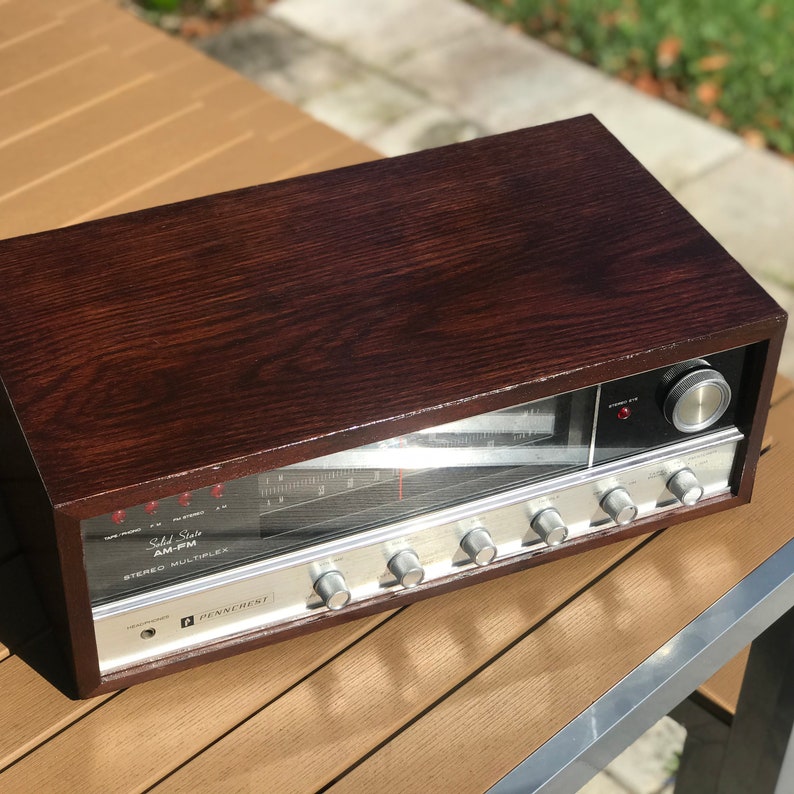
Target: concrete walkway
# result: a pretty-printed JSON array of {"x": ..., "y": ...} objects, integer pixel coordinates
[{"x": 402, "y": 75}]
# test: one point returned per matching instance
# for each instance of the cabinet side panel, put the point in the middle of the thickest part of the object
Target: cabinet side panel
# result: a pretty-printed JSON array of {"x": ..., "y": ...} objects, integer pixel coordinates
[{"x": 31, "y": 518}]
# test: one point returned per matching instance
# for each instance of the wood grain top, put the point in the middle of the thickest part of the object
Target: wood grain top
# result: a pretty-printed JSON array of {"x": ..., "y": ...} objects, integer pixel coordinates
[{"x": 251, "y": 329}]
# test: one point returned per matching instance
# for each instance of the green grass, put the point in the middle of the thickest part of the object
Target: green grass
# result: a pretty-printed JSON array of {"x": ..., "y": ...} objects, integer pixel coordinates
[{"x": 731, "y": 61}]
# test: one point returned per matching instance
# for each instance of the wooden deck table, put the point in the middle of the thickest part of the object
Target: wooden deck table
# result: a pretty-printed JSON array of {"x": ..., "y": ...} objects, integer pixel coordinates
[{"x": 101, "y": 114}]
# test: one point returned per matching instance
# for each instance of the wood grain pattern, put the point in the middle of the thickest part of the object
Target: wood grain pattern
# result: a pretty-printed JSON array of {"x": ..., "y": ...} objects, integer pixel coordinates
[
  {"x": 34, "y": 711},
  {"x": 292, "y": 372},
  {"x": 162, "y": 724}
]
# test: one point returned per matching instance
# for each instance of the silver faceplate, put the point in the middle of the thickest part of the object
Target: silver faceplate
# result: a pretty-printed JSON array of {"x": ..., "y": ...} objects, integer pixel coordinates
[{"x": 279, "y": 590}]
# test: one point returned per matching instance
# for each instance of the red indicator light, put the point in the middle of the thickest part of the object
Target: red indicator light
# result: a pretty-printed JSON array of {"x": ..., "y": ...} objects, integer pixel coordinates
[
  {"x": 185, "y": 499},
  {"x": 624, "y": 412},
  {"x": 218, "y": 490},
  {"x": 151, "y": 508},
  {"x": 119, "y": 516}
]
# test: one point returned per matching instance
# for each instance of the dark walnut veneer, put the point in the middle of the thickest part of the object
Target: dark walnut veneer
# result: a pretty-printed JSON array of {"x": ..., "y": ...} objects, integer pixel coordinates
[{"x": 182, "y": 345}]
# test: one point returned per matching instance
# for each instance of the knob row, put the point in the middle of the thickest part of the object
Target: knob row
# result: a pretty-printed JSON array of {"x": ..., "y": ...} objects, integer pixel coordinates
[{"x": 478, "y": 545}]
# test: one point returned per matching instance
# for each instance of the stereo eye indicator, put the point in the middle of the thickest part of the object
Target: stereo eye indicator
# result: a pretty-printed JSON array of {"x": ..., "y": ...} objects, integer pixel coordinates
[{"x": 624, "y": 412}]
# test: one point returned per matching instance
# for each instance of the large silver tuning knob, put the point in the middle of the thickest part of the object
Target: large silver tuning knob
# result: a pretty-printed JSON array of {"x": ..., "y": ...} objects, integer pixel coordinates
[
  {"x": 479, "y": 546},
  {"x": 406, "y": 568},
  {"x": 684, "y": 486},
  {"x": 619, "y": 506},
  {"x": 696, "y": 396},
  {"x": 548, "y": 524},
  {"x": 332, "y": 589}
]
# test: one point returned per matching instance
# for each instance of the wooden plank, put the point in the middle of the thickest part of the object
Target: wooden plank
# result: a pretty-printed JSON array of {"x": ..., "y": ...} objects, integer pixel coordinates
[
  {"x": 33, "y": 710},
  {"x": 87, "y": 134},
  {"x": 95, "y": 17},
  {"x": 68, "y": 91},
  {"x": 236, "y": 97},
  {"x": 351, "y": 155},
  {"x": 359, "y": 700},
  {"x": 723, "y": 688},
  {"x": 144, "y": 732},
  {"x": 200, "y": 76},
  {"x": 64, "y": 8},
  {"x": 21, "y": 19},
  {"x": 251, "y": 162},
  {"x": 93, "y": 186},
  {"x": 44, "y": 53},
  {"x": 542, "y": 683},
  {"x": 783, "y": 390},
  {"x": 234, "y": 167},
  {"x": 128, "y": 34},
  {"x": 163, "y": 54},
  {"x": 277, "y": 119}
]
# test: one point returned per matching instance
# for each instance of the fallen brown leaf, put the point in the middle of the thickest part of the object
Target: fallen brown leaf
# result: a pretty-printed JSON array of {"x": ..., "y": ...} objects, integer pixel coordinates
[
  {"x": 648, "y": 84},
  {"x": 667, "y": 51},
  {"x": 716, "y": 116},
  {"x": 754, "y": 138},
  {"x": 713, "y": 63},
  {"x": 708, "y": 92}
]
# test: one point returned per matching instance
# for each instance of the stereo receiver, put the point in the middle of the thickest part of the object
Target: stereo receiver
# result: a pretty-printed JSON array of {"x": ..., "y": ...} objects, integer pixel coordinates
[{"x": 234, "y": 419}]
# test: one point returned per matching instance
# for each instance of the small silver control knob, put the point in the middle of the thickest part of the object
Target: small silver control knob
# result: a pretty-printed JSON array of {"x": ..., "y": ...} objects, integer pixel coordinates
[
  {"x": 618, "y": 505},
  {"x": 696, "y": 397},
  {"x": 479, "y": 546},
  {"x": 406, "y": 568},
  {"x": 548, "y": 524},
  {"x": 684, "y": 486},
  {"x": 332, "y": 589}
]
